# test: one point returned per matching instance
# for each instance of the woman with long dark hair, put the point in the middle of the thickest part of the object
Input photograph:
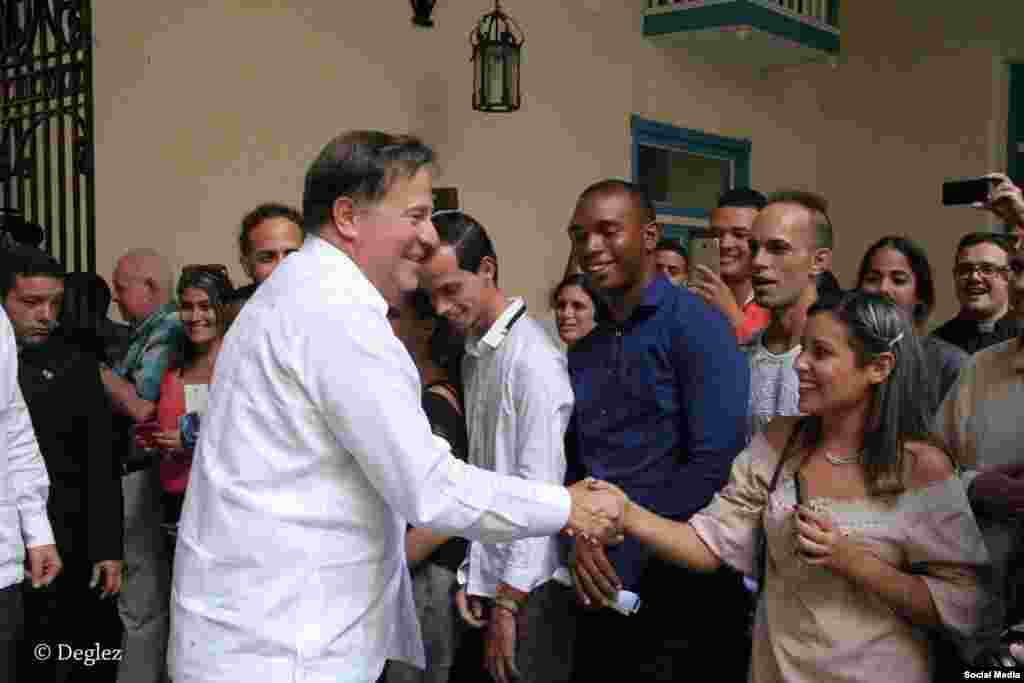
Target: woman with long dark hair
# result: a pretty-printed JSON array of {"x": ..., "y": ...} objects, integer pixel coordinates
[
  {"x": 869, "y": 539},
  {"x": 203, "y": 294},
  {"x": 898, "y": 268}
]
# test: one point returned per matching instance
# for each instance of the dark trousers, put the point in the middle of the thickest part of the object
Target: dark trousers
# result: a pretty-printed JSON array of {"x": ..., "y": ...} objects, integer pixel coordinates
[
  {"x": 12, "y": 624},
  {"x": 688, "y": 624},
  {"x": 68, "y": 615}
]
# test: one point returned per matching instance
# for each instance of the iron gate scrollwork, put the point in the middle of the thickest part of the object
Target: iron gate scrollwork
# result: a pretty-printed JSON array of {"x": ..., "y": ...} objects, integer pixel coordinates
[{"x": 47, "y": 188}]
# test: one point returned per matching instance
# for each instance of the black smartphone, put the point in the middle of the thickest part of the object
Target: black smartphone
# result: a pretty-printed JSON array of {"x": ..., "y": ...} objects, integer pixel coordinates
[{"x": 960, "y": 192}]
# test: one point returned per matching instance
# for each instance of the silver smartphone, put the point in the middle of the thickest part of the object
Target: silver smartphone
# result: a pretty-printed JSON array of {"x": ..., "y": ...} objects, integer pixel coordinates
[{"x": 704, "y": 251}]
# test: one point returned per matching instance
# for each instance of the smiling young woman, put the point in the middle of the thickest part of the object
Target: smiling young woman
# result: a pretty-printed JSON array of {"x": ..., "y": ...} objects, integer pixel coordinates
[
  {"x": 869, "y": 535},
  {"x": 203, "y": 296}
]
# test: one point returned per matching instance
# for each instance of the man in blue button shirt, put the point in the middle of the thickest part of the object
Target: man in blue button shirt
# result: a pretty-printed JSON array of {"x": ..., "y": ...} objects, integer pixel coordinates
[{"x": 661, "y": 401}]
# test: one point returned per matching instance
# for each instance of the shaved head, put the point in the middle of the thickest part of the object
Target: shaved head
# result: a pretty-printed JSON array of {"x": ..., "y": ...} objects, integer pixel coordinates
[
  {"x": 142, "y": 284},
  {"x": 148, "y": 265}
]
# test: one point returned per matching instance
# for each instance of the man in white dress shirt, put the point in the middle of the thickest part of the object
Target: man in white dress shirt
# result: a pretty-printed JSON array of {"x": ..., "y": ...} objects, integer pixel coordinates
[
  {"x": 315, "y": 451},
  {"x": 518, "y": 404},
  {"x": 24, "y": 487}
]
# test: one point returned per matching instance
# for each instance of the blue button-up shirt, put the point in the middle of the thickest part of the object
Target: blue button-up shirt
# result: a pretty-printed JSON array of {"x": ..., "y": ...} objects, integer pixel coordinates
[{"x": 661, "y": 408}]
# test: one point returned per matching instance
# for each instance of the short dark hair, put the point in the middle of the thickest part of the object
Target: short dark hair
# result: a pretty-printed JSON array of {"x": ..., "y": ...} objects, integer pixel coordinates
[
  {"x": 1004, "y": 242},
  {"x": 669, "y": 244},
  {"x": 262, "y": 213},
  {"x": 24, "y": 261},
  {"x": 467, "y": 238},
  {"x": 580, "y": 280},
  {"x": 362, "y": 165},
  {"x": 742, "y": 198},
  {"x": 817, "y": 206},
  {"x": 924, "y": 282},
  {"x": 637, "y": 194}
]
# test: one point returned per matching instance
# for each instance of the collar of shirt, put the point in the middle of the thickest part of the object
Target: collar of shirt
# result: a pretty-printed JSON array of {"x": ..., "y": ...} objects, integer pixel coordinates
[
  {"x": 497, "y": 332},
  {"x": 338, "y": 260},
  {"x": 654, "y": 294},
  {"x": 141, "y": 334}
]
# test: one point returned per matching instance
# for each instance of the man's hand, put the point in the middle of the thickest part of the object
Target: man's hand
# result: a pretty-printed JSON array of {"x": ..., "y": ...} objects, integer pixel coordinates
[
  {"x": 597, "y": 513},
  {"x": 44, "y": 564},
  {"x": 471, "y": 608},
  {"x": 593, "y": 576},
  {"x": 500, "y": 646},
  {"x": 110, "y": 572},
  {"x": 999, "y": 490},
  {"x": 715, "y": 292},
  {"x": 1005, "y": 200}
]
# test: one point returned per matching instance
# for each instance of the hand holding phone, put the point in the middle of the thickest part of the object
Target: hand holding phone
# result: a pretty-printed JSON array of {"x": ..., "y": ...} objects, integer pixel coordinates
[
  {"x": 705, "y": 251},
  {"x": 144, "y": 432},
  {"x": 966, "y": 192}
]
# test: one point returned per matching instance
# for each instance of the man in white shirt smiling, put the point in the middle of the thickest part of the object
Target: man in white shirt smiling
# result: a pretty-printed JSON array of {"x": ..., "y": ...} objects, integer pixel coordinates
[
  {"x": 315, "y": 451},
  {"x": 518, "y": 403}
]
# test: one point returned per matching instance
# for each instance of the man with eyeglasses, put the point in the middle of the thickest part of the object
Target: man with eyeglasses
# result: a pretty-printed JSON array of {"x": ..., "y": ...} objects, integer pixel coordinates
[
  {"x": 981, "y": 275},
  {"x": 980, "y": 421}
]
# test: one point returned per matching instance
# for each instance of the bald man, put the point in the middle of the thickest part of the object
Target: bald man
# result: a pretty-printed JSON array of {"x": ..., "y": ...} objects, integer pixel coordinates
[{"x": 142, "y": 292}]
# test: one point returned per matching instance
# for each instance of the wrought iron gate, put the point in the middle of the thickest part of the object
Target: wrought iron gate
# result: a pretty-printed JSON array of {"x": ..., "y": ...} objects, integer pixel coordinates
[{"x": 47, "y": 190}]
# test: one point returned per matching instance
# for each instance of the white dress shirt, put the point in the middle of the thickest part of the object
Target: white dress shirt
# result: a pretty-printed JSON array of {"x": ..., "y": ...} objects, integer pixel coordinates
[
  {"x": 314, "y": 453},
  {"x": 24, "y": 484},
  {"x": 518, "y": 404}
]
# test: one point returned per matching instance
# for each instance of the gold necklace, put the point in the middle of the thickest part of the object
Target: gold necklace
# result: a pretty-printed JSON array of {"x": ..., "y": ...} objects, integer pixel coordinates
[{"x": 843, "y": 459}]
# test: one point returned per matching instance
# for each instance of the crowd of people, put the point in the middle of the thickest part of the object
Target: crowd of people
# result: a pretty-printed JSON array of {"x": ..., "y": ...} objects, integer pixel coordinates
[{"x": 373, "y": 464}]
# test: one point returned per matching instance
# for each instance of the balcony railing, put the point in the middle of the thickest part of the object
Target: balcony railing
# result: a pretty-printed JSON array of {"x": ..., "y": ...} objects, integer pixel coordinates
[
  {"x": 823, "y": 11},
  {"x": 763, "y": 33}
]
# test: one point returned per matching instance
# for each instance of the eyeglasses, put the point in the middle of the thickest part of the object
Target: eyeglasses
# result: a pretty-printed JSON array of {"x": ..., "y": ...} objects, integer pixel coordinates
[{"x": 988, "y": 271}]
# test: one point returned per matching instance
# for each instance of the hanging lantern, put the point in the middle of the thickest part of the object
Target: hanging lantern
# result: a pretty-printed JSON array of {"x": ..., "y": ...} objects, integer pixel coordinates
[{"x": 496, "y": 41}]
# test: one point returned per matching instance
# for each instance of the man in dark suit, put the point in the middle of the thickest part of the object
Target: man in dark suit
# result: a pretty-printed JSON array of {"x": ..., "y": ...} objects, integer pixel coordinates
[{"x": 72, "y": 417}]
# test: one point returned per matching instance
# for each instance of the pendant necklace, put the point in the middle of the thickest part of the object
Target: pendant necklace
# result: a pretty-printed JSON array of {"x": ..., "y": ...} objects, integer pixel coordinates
[{"x": 842, "y": 459}]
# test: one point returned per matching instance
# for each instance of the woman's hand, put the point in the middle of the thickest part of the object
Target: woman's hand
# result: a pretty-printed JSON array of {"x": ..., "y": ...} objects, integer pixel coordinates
[
  {"x": 819, "y": 541},
  {"x": 169, "y": 441}
]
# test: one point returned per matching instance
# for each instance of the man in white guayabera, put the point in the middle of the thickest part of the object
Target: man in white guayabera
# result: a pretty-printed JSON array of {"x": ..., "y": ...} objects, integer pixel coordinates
[{"x": 315, "y": 452}]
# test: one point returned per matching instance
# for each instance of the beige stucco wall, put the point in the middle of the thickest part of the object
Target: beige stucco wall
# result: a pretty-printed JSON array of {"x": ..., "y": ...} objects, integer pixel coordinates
[{"x": 205, "y": 109}]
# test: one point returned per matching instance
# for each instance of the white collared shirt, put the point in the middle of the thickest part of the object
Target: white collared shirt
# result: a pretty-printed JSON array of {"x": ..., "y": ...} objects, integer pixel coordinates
[
  {"x": 24, "y": 483},
  {"x": 314, "y": 452},
  {"x": 518, "y": 403}
]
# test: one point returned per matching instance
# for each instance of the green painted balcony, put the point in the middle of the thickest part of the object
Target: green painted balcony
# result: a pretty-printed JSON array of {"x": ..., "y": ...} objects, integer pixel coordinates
[{"x": 759, "y": 33}]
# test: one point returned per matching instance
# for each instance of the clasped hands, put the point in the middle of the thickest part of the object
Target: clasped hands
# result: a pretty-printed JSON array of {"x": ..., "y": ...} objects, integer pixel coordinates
[{"x": 598, "y": 512}]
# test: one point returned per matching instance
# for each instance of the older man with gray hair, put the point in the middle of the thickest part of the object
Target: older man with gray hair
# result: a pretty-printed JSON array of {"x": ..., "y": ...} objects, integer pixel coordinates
[{"x": 142, "y": 291}]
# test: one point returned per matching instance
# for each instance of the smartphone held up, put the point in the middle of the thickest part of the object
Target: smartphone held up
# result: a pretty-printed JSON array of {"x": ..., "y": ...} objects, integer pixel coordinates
[{"x": 966, "y": 192}]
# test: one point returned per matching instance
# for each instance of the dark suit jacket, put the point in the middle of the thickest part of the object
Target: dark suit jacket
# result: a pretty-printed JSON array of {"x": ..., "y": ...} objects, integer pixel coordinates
[{"x": 71, "y": 415}]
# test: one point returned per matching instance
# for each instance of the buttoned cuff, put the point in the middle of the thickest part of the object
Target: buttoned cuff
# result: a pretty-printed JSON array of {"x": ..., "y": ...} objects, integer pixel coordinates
[{"x": 35, "y": 528}]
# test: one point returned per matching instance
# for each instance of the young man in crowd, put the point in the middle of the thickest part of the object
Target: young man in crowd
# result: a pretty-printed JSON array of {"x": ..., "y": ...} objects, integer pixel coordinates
[
  {"x": 142, "y": 292},
  {"x": 269, "y": 233},
  {"x": 85, "y": 475},
  {"x": 731, "y": 291},
  {"x": 518, "y": 404},
  {"x": 661, "y": 401},
  {"x": 670, "y": 260},
  {"x": 793, "y": 239},
  {"x": 981, "y": 276}
]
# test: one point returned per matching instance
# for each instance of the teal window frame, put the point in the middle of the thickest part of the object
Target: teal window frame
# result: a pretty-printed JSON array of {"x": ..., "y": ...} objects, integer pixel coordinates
[{"x": 646, "y": 132}]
